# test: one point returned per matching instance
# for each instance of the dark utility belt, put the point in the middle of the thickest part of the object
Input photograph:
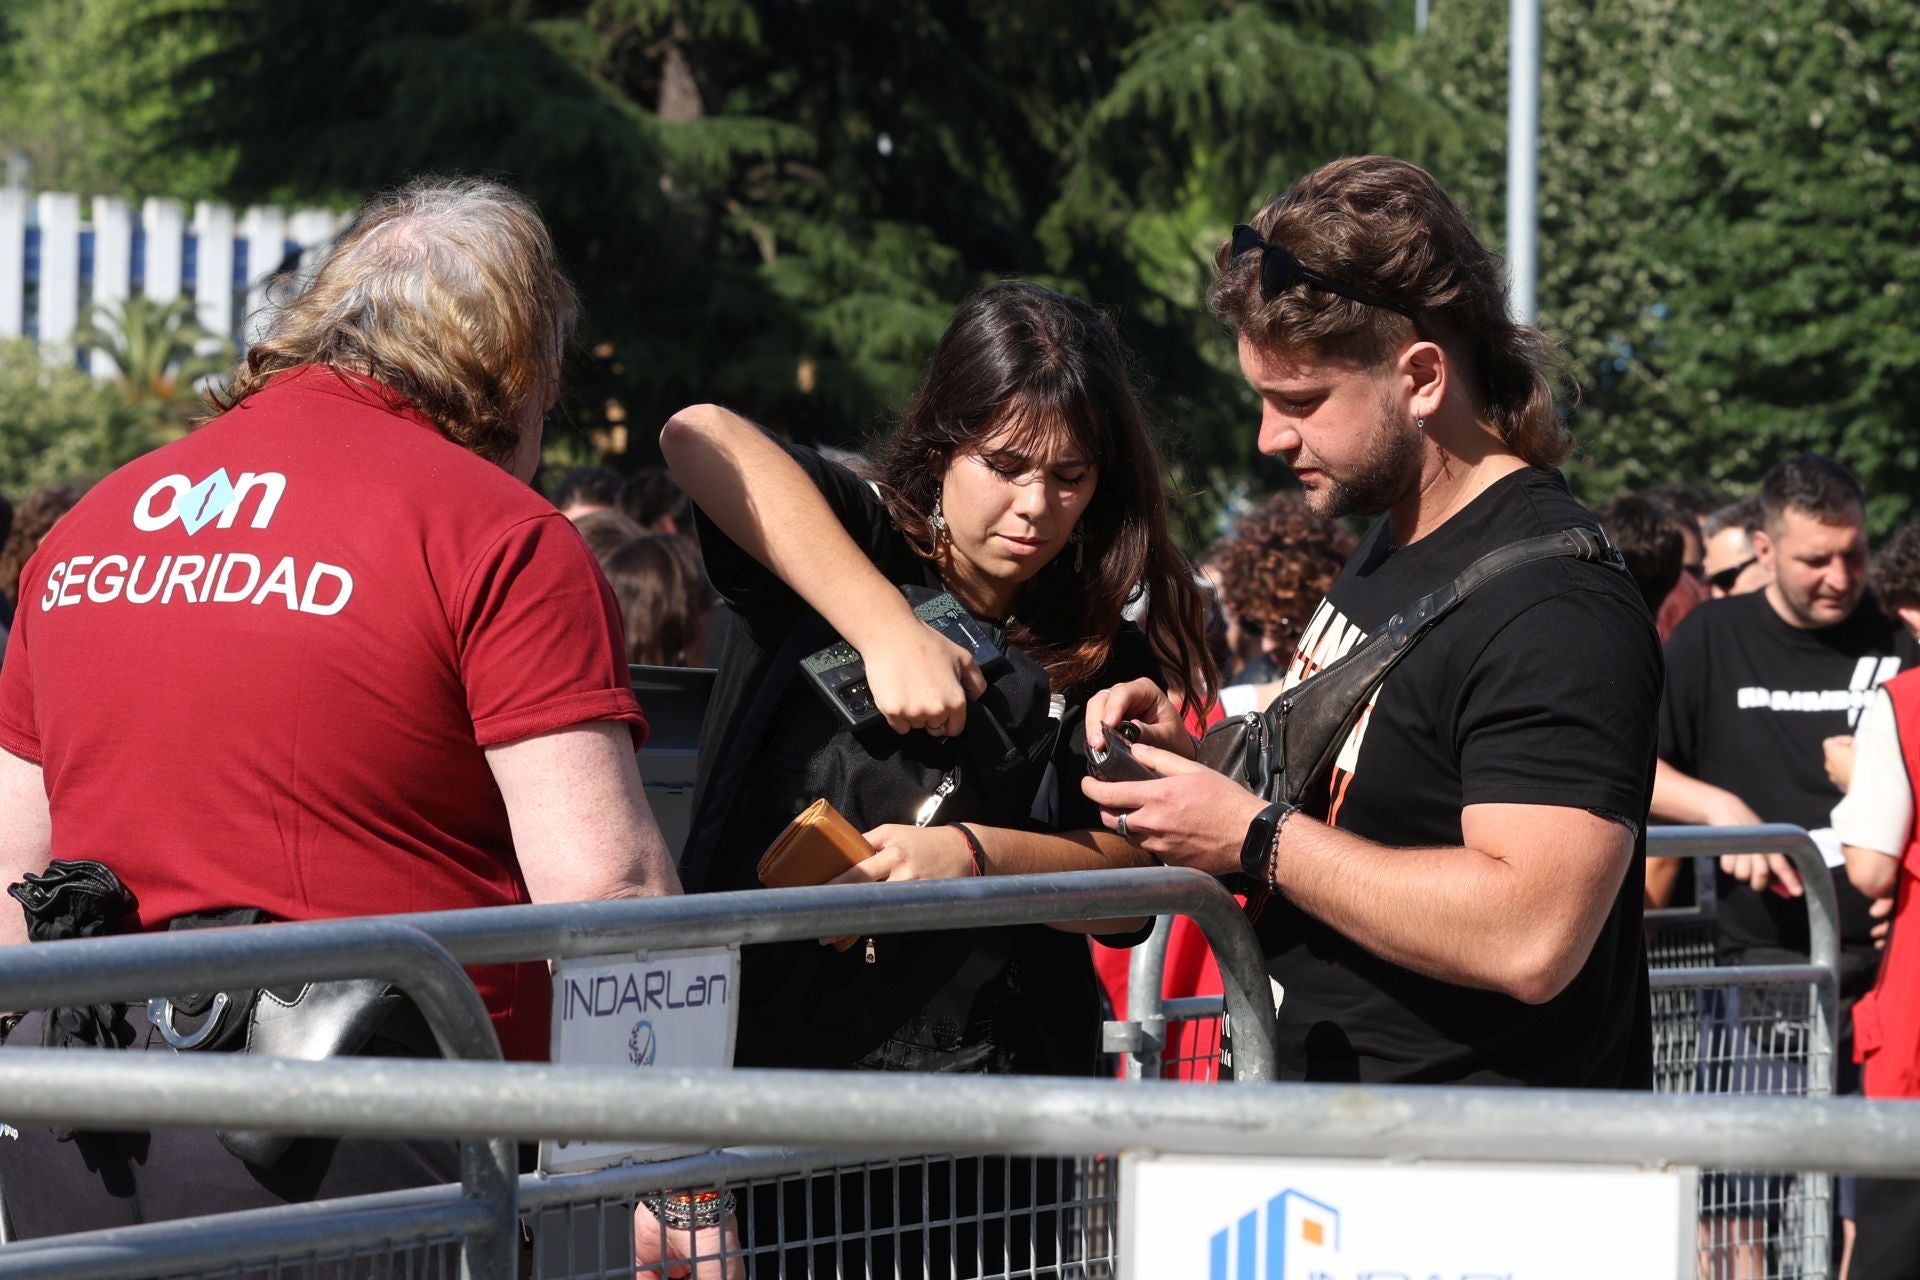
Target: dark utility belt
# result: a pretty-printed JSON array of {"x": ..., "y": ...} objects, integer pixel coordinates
[{"x": 308, "y": 1021}]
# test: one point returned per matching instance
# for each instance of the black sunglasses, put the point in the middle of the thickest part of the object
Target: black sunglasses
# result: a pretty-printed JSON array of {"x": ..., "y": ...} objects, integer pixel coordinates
[
  {"x": 1280, "y": 271},
  {"x": 1723, "y": 580}
]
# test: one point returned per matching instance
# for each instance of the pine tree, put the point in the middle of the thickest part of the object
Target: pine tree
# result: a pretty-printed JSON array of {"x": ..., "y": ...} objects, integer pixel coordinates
[{"x": 776, "y": 204}]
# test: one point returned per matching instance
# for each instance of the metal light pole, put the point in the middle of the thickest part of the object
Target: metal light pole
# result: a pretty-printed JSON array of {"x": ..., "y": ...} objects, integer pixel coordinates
[{"x": 1523, "y": 154}]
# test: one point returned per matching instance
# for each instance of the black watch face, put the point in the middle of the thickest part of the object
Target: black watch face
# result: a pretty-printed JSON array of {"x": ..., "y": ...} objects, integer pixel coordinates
[{"x": 1253, "y": 852}]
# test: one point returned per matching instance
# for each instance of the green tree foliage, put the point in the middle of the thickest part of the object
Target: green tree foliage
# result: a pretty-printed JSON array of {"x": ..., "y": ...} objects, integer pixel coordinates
[
  {"x": 778, "y": 203},
  {"x": 76, "y": 100},
  {"x": 1728, "y": 203},
  {"x": 58, "y": 424},
  {"x": 160, "y": 351}
]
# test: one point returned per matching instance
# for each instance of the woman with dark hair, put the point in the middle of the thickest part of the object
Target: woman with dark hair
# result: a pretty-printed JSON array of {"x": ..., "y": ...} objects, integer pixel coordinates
[{"x": 1023, "y": 480}]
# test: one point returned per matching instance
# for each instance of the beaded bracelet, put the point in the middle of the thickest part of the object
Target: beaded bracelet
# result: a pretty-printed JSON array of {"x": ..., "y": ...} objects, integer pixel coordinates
[
  {"x": 691, "y": 1211},
  {"x": 973, "y": 846}
]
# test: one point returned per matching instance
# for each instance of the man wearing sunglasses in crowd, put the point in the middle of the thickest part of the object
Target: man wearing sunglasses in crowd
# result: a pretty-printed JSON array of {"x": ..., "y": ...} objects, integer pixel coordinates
[
  {"x": 1731, "y": 566},
  {"x": 1458, "y": 901}
]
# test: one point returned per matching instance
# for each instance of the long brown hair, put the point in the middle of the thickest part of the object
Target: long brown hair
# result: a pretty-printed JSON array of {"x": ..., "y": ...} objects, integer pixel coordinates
[
  {"x": 1022, "y": 356},
  {"x": 447, "y": 293},
  {"x": 1385, "y": 226}
]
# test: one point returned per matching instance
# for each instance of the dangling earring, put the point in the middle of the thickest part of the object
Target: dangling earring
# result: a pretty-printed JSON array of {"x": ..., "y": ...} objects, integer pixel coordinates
[
  {"x": 937, "y": 521},
  {"x": 1079, "y": 540},
  {"x": 1420, "y": 425}
]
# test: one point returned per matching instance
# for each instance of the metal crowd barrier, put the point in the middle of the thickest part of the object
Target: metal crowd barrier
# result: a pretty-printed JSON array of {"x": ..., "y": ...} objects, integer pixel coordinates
[
  {"x": 133, "y": 968},
  {"x": 1063, "y": 1131},
  {"x": 1717, "y": 1030},
  {"x": 1752, "y": 1030},
  {"x": 138, "y": 967},
  {"x": 1166, "y": 1037},
  {"x": 1047, "y": 1119}
]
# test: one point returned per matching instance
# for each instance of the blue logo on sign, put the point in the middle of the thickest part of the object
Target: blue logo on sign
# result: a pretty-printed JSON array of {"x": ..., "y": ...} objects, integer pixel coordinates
[
  {"x": 641, "y": 1045},
  {"x": 1299, "y": 1230}
]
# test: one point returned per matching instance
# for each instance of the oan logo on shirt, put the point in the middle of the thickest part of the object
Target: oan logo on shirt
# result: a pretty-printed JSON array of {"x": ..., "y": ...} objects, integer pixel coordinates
[
  {"x": 216, "y": 500},
  {"x": 228, "y": 576}
]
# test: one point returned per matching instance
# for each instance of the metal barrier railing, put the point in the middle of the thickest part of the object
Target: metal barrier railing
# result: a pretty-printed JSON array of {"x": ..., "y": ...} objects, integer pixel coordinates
[
  {"x": 504, "y": 934},
  {"x": 128, "y": 1091},
  {"x": 136, "y": 967},
  {"x": 1751, "y": 1029},
  {"x": 960, "y": 1114}
]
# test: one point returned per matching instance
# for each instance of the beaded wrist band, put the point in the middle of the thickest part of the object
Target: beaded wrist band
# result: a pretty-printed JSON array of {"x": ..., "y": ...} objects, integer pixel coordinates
[{"x": 691, "y": 1211}]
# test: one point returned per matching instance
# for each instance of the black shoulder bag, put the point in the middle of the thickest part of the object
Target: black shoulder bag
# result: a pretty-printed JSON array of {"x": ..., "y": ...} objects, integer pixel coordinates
[{"x": 1280, "y": 753}]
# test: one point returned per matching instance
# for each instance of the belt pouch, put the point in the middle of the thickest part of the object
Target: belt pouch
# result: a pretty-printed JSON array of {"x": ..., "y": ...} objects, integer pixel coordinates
[{"x": 309, "y": 1022}]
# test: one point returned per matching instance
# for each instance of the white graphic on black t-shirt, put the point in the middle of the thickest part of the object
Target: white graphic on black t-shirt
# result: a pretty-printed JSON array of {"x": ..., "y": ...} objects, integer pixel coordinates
[
  {"x": 1329, "y": 637},
  {"x": 1868, "y": 674}
]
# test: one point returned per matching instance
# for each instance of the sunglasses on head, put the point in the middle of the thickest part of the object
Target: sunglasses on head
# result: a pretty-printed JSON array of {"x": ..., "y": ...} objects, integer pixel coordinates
[{"x": 1280, "y": 271}]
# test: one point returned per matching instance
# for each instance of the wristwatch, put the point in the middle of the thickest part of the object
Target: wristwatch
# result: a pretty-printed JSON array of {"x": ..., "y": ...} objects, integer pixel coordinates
[{"x": 1256, "y": 851}]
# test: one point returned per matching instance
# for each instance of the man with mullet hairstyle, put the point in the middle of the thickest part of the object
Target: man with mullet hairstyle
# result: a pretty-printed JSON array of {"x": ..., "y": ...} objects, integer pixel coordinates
[{"x": 1459, "y": 900}]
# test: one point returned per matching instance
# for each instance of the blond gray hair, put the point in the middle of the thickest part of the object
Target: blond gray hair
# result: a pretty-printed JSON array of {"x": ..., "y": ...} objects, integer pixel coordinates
[{"x": 445, "y": 291}]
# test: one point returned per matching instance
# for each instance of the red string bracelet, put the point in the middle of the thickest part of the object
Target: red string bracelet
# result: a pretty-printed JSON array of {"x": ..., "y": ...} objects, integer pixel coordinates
[{"x": 973, "y": 844}]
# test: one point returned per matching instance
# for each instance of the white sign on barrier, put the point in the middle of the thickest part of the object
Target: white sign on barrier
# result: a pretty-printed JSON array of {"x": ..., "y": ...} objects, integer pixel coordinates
[
  {"x": 1253, "y": 1219},
  {"x": 667, "y": 1009}
]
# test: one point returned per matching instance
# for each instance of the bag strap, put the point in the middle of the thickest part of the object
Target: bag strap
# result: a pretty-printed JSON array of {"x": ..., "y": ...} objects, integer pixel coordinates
[
  {"x": 1315, "y": 716},
  {"x": 1580, "y": 543}
]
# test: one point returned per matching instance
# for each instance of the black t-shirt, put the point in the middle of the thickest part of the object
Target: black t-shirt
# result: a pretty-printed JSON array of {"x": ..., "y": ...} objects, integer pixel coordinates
[
  {"x": 1748, "y": 701},
  {"x": 764, "y": 722},
  {"x": 1541, "y": 688}
]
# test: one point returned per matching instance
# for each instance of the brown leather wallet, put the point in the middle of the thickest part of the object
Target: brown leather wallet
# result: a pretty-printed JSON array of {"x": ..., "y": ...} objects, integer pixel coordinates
[{"x": 816, "y": 846}]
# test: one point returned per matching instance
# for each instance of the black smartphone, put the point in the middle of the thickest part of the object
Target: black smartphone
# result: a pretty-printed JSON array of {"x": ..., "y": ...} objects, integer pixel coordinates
[
  {"x": 1115, "y": 762},
  {"x": 840, "y": 675}
]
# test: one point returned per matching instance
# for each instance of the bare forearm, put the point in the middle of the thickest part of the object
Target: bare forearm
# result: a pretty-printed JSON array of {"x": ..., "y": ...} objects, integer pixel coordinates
[
  {"x": 1873, "y": 873},
  {"x": 1018, "y": 853},
  {"x": 759, "y": 497},
  {"x": 1014, "y": 853},
  {"x": 1661, "y": 875},
  {"x": 1681, "y": 797},
  {"x": 1515, "y": 908},
  {"x": 1444, "y": 912},
  {"x": 613, "y": 855},
  {"x": 581, "y": 826},
  {"x": 26, "y": 837},
  {"x": 1463, "y": 915}
]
